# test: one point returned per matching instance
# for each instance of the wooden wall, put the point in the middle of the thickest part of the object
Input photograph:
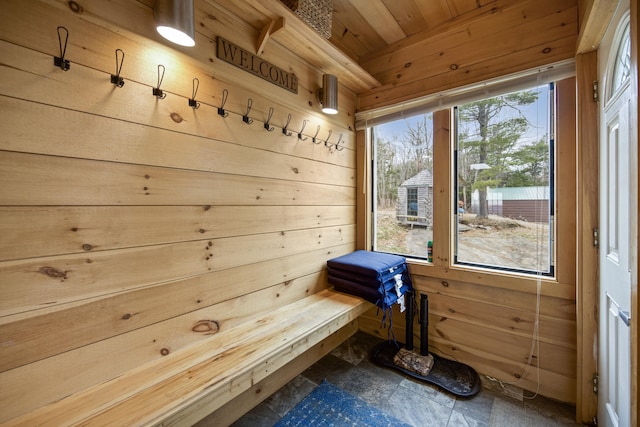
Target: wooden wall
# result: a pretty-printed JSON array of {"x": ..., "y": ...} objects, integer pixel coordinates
[
  {"x": 487, "y": 318},
  {"x": 501, "y": 38},
  {"x": 480, "y": 317},
  {"x": 134, "y": 226}
]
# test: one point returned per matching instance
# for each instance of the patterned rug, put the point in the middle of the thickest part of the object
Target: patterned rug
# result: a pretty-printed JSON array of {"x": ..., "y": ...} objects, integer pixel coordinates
[{"x": 328, "y": 405}]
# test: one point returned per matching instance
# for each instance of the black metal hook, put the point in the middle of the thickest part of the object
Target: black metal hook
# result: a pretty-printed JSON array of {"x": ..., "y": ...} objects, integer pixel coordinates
[
  {"x": 157, "y": 92},
  {"x": 284, "y": 129},
  {"x": 338, "y": 147},
  {"x": 326, "y": 141},
  {"x": 59, "y": 61},
  {"x": 267, "y": 126},
  {"x": 115, "y": 78},
  {"x": 245, "y": 117},
  {"x": 315, "y": 137},
  {"x": 225, "y": 95},
  {"x": 304, "y": 124},
  {"x": 192, "y": 101}
]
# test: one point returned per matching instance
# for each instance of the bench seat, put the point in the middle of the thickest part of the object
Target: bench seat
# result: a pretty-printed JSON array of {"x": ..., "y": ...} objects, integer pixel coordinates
[{"x": 213, "y": 371}]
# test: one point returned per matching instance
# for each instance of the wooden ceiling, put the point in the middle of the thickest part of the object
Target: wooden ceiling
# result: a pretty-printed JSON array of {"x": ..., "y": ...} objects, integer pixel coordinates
[
  {"x": 391, "y": 51},
  {"x": 361, "y": 27}
]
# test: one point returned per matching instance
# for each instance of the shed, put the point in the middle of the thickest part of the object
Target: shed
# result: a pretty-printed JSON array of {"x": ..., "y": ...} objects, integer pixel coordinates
[
  {"x": 415, "y": 200},
  {"x": 524, "y": 203}
]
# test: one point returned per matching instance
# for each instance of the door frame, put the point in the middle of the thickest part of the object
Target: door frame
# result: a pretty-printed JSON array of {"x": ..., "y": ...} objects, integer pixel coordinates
[
  {"x": 592, "y": 29},
  {"x": 614, "y": 111},
  {"x": 635, "y": 273}
]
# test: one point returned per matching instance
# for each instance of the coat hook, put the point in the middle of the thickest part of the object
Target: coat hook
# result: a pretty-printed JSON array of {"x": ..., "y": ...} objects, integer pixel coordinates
[
  {"x": 338, "y": 144},
  {"x": 304, "y": 124},
  {"x": 115, "y": 78},
  {"x": 245, "y": 117},
  {"x": 326, "y": 141},
  {"x": 284, "y": 129},
  {"x": 157, "y": 92},
  {"x": 267, "y": 126},
  {"x": 315, "y": 137},
  {"x": 225, "y": 95},
  {"x": 59, "y": 61},
  {"x": 192, "y": 101}
]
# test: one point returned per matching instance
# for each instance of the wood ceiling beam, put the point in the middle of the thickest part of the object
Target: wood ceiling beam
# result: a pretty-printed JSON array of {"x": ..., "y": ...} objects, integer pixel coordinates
[{"x": 594, "y": 19}]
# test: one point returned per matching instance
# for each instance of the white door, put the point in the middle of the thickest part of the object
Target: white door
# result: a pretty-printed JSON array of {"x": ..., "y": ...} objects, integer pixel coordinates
[{"x": 616, "y": 215}]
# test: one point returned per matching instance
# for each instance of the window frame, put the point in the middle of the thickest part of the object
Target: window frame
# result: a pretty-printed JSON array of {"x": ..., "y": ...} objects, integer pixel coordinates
[
  {"x": 551, "y": 202},
  {"x": 444, "y": 197},
  {"x": 412, "y": 191}
]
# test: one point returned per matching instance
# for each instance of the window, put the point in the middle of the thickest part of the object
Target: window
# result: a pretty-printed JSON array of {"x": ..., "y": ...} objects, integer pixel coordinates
[
  {"x": 403, "y": 214},
  {"x": 497, "y": 152},
  {"x": 622, "y": 65},
  {"x": 412, "y": 202},
  {"x": 504, "y": 181}
]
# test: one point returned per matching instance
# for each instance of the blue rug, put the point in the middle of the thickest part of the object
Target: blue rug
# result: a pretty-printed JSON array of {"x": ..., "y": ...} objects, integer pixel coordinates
[{"x": 328, "y": 405}]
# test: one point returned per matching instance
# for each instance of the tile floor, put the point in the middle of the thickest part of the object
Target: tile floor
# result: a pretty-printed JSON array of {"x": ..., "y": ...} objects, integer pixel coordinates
[{"x": 415, "y": 403}]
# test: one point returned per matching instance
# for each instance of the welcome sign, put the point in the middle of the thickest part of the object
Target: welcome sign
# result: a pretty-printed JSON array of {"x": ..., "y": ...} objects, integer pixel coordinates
[{"x": 253, "y": 64}]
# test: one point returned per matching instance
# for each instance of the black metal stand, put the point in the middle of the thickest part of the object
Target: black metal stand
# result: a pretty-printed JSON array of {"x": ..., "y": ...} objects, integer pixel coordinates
[
  {"x": 409, "y": 325},
  {"x": 424, "y": 324},
  {"x": 454, "y": 377}
]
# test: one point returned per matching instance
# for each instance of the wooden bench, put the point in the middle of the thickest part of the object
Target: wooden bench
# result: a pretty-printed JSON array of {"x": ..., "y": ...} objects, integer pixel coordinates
[{"x": 186, "y": 385}]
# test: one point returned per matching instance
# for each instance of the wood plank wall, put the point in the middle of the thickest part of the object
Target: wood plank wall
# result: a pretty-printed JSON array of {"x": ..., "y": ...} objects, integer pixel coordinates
[
  {"x": 479, "y": 317},
  {"x": 503, "y": 37},
  {"x": 486, "y": 319},
  {"x": 134, "y": 226}
]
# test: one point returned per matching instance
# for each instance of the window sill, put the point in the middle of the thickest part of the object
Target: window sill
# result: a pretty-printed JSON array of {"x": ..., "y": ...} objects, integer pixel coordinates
[{"x": 522, "y": 282}]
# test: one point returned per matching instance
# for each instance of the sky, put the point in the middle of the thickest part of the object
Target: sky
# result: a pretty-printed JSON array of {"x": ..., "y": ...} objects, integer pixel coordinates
[{"x": 536, "y": 113}]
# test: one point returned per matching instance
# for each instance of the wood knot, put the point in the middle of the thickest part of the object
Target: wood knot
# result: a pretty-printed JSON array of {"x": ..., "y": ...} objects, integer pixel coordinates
[
  {"x": 517, "y": 319},
  {"x": 451, "y": 310},
  {"x": 407, "y": 65},
  {"x": 546, "y": 50},
  {"x": 87, "y": 247},
  {"x": 53, "y": 272},
  {"x": 176, "y": 117},
  {"x": 445, "y": 284},
  {"x": 295, "y": 170},
  {"x": 207, "y": 327},
  {"x": 126, "y": 317},
  {"x": 453, "y": 66},
  {"x": 75, "y": 7},
  {"x": 165, "y": 351}
]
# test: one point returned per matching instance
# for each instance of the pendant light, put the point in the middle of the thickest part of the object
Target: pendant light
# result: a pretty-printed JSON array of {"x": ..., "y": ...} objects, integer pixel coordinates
[{"x": 174, "y": 21}]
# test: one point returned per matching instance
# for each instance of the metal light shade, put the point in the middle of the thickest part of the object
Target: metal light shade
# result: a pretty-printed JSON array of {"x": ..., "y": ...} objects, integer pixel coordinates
[
  {"x": 174, "y": 21},
  {"x": 329, "y": 94}
]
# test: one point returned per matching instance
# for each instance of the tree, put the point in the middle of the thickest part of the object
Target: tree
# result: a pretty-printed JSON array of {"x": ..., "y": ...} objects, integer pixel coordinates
[
  {"x": 417, "y": 147},
  {"x": 531, "y": 165},
  {"x": 489, "y": 132},
  {"x": 387, "y": 173},
  {"x": 409, "y": 152}
]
